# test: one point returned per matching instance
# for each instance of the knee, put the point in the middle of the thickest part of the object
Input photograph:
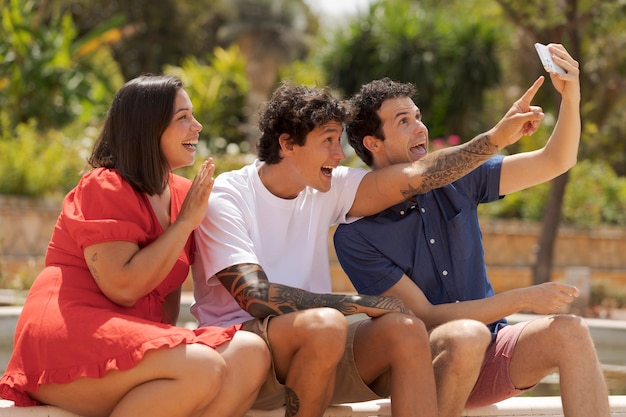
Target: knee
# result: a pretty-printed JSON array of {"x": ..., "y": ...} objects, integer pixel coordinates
[
  {"x": 322, "y": 329},
  {"x": 205, "y": 363},
  {"x": 459, "y": 342},
  {"x": 252, "y": 352},
  {"x": 467, "y": 336},
  {"x": 404, "y": 334},
  {"x": 250, "y": 360},
  {"x": 204, "y": 371},
  {"x": 569, "y": 330}
]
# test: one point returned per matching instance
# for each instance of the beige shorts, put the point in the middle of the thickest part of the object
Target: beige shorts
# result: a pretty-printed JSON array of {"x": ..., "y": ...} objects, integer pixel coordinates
[{"x": 349, "y": 387}]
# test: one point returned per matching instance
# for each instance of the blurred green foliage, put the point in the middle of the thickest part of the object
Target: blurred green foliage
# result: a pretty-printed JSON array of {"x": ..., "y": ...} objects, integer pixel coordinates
[
  {"x": 451, "y": 61},
  {"x": 35, "y": 163},
  {"x": 154, "y": 33},
  {"x": 604, "y": 294},
  {"x": 46, "y": 74},
  {"x": 218, "y": 91},
  {"x": 54, "y": 88},
  {"x": 594, "y": 195},
  {"x": 57, "y": 78}
]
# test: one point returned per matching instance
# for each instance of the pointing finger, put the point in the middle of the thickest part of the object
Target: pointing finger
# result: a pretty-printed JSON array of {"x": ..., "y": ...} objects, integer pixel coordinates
[{"x": 532, "y": 90}]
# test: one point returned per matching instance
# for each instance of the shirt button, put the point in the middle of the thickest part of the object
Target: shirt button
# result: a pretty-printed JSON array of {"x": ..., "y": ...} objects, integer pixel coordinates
[
  {"x": 412, "y": 207},
  {"x": 444, "y": 273},
  {"x": 402, "y": 212},
  {"x": 432, "y": 241},
  {"x": 423, "y": 210}
]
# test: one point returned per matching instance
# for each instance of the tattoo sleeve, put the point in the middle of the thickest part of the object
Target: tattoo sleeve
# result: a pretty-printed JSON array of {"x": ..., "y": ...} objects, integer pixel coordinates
[
  {"x": 250, "y": 287},
  {"x": 450, "y": 164}
]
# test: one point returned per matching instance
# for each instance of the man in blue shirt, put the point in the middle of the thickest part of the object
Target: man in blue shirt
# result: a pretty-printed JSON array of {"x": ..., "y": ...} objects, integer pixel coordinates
[{"x": 428, "y": 252}]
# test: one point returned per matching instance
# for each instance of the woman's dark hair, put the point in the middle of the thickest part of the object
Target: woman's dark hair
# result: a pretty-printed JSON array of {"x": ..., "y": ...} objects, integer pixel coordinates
[
  {"x": 364, "y": 107},
  {"x": 131, "y": 136},
  {"x": 295, "y": 110}
]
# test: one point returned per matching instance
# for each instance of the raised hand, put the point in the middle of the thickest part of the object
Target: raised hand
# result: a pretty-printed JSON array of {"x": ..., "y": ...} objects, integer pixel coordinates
[
  {"x": 522, "y": 119},
  {"x": 568, "y": 85},
  {"x": 196, "y": 203}
]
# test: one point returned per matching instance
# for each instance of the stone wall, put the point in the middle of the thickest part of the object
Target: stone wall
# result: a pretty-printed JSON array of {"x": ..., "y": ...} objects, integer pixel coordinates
[
  {"x": 26, "y": 226},
  {"x": 598, "y": 254}
]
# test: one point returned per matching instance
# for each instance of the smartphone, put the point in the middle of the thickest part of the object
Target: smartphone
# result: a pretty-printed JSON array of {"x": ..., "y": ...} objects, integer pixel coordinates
[{"x": 546, "y": 59}]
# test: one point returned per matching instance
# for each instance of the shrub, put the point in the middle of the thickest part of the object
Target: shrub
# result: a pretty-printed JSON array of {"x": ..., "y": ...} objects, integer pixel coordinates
[
  {"x": 217, "y": 91},
  {"x": 594, "y": 195},
  {"x": 46, "y": 163}
]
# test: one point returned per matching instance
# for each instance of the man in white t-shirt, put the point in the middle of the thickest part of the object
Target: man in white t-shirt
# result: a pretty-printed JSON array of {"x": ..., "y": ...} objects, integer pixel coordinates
[{"x": 263, "y": 257}]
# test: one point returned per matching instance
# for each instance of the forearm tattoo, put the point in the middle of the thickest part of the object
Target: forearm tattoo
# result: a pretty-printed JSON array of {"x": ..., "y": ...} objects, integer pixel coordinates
[
  {"x": 292, "y": 402},
  {"x": 250, "y": 287},
  {"x": 450, "y": 164},
  {"x": 248, "y": 284}
]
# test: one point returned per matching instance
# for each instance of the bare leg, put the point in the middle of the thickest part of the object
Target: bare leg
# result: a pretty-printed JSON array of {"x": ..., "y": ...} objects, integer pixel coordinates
[
  {"x": 458, "y": 349},
  {"x": 398, "y": 343},
  {"x": 247, "y": 361},
  {"x": 181, "y": 381},
  {"x": 306, "y": 347},
  {"x": 562, "y": 342}
]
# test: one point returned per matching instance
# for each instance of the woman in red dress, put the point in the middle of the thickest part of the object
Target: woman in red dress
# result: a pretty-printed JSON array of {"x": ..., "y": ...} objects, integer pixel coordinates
[{"x": 96, "y": 335}]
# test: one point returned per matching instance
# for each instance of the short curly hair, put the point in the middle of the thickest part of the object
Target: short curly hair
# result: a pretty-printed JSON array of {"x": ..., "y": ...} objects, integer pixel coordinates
[
  {"x": 364, "y": 106},
  {"x": 295, "y": 110}
]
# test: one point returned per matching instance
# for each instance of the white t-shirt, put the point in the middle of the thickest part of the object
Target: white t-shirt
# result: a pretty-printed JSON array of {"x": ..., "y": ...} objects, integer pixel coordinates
[{"x": 245, "y": 223}]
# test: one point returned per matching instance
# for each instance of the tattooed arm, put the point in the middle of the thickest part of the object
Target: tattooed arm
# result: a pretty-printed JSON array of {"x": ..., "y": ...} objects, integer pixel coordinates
[
  {"x": 387, "y": 186},
  {"x": 250, "y": 287}
]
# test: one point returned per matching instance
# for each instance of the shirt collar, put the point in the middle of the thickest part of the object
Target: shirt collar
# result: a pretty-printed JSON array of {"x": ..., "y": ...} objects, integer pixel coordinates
[{"x": 403, "y": 208}]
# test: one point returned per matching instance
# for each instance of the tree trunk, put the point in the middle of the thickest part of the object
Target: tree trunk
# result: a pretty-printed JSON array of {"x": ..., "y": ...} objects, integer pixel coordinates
[
  {"x": 262, "y": 65},
  {"x": 549, "y": 230}
]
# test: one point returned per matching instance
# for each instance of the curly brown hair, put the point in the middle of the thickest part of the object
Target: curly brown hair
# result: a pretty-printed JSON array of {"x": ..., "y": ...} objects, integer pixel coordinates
[
  {"x": 295, "y": 110},
  {"x": 364, "y": 106}
]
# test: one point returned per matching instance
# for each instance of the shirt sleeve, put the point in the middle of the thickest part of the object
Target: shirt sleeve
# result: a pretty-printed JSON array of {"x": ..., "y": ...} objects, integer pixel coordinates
[
  {"x": 103, "y": 207},
  {"x": 369, "y": 270},
  {"x": 483, "y": 185},
  {"x": 349, "y": 180},
  {"x": 222, "y": 238}
]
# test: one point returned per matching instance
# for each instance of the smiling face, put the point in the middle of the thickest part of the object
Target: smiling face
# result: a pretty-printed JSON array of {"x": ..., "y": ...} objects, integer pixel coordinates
[
  {"x": 179, "y": 140},
  {"x": 406, "y": 137},
  {"x": 321, "y": 153}
]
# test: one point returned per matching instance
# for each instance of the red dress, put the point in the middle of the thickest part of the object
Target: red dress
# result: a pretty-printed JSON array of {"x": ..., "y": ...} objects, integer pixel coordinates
[{"x": 68, "y": 328}]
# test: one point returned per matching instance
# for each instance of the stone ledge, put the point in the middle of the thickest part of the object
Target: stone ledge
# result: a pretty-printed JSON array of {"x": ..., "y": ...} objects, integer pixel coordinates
[{"x": 513, "y": 407}]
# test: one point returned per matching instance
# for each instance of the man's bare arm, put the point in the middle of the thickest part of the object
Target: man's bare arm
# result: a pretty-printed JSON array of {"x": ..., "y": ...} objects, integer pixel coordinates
[
  {"x": 250, "y": 287},
  {"x": 387, "y": 186}
]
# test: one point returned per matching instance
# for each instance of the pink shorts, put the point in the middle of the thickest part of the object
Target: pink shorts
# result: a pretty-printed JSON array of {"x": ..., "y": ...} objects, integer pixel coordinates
[{"x": 494, "y": 382}]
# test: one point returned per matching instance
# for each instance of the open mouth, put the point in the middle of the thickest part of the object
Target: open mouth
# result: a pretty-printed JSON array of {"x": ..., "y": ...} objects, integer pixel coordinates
[
  {"x": 327, "y": 171},
  {"x": 189, "y": 145},
  {"x": 418, "y": 150}
]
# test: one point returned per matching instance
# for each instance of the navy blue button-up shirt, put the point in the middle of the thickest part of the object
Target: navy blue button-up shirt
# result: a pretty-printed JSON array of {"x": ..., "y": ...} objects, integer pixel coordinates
[{"x": 436, "y": 241}]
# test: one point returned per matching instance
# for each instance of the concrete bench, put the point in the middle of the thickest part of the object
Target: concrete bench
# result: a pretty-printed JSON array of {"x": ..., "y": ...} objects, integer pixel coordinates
[{"x": 513, "y": 407}]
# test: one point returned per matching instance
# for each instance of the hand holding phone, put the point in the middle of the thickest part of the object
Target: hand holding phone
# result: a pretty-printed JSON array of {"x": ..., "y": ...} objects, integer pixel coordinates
[{"x": 546, "y": 59}]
